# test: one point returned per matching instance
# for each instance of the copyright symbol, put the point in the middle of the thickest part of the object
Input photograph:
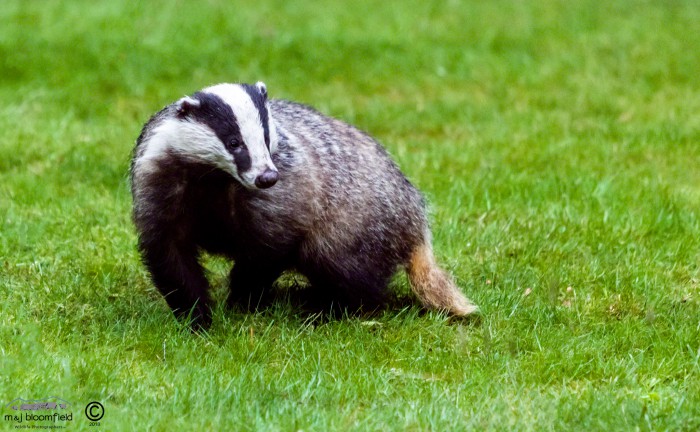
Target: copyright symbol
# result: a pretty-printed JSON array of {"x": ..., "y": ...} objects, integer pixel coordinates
[{"x": 94, "y": 411}]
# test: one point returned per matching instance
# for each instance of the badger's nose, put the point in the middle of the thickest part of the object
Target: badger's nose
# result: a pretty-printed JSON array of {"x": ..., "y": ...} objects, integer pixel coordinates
[{"x": 266, "y": 179}]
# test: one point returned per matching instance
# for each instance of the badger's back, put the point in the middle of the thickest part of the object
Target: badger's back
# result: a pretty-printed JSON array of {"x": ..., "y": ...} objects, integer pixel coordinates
[{"x": 363, "y": 199}]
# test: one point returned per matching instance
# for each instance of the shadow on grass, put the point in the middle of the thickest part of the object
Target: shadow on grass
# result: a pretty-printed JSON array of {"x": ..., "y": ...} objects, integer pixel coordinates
[{"x": 313, "y": 305}]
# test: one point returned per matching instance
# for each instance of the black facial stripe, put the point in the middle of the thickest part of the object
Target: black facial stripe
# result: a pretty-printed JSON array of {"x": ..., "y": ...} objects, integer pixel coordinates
[
  {"x": 259, "y": 102},
  {"x": 241, "y": 158},
  {"x": 218, "y": 115}
]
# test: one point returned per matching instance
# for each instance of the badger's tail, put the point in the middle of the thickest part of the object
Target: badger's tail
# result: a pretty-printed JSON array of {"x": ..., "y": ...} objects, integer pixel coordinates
[{"x": 433, "y": 286}]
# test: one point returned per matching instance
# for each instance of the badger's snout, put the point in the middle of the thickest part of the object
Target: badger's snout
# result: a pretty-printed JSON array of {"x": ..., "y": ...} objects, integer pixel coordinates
[{"x": 267, "y": 179}]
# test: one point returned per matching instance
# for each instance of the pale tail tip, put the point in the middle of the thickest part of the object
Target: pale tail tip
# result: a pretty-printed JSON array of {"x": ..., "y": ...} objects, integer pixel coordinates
[
  {"x": 466, "y": 313},
  {"x": 467, "y": 309}
]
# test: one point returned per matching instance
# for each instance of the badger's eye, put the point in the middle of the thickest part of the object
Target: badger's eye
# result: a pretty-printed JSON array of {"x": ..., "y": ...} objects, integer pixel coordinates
[{"x": 234, "y": 143}]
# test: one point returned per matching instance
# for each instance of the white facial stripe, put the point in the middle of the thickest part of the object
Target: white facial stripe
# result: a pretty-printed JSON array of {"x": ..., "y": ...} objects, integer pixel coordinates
[
  {"x": 273, "y": 132},
  {"x": 189, "y": 139},
  {"x": 250, "y": 126}
]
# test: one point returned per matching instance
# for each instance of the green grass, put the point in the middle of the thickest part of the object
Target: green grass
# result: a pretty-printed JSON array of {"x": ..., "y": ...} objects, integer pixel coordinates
[{"x": 557, "y": 143}]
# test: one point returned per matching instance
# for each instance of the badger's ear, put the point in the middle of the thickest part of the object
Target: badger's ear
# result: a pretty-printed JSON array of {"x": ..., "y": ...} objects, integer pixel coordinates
[
  {"x": 186, "y": 105},
  {"x": 262, "y": 88}
]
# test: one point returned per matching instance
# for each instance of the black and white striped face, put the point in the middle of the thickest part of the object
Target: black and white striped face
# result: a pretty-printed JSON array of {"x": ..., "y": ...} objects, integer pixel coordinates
[{"x": 229, "y": 126}]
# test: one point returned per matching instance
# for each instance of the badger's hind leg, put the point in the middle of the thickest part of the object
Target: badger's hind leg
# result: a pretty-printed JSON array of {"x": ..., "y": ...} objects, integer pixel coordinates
[
  {"x": 250, "y": 284},
  {"x": 356, "y": 293},
  {"x": 433, "y": 286},
  {"x": 343, "y": 282}
]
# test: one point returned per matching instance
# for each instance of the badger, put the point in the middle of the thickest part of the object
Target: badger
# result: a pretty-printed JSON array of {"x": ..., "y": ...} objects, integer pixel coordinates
[{"x": 274, "y": 186}]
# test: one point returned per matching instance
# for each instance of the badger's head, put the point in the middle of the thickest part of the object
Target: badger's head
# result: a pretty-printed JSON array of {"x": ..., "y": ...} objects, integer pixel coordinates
[{"x": 229, "y": 126}]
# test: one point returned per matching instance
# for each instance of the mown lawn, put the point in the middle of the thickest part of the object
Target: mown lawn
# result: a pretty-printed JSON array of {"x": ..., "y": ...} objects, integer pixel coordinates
[{"x": 558, "y": 145}]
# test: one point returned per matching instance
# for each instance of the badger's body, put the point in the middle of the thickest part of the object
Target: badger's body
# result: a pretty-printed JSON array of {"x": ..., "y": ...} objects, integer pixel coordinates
[{"x": 275, "y": 185}]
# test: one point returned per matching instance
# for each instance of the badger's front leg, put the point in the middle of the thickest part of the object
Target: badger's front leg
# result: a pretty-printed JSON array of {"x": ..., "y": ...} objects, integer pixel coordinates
[
  {"x": 176, "y": 272},
  {"x": 250, "y": 284}
]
